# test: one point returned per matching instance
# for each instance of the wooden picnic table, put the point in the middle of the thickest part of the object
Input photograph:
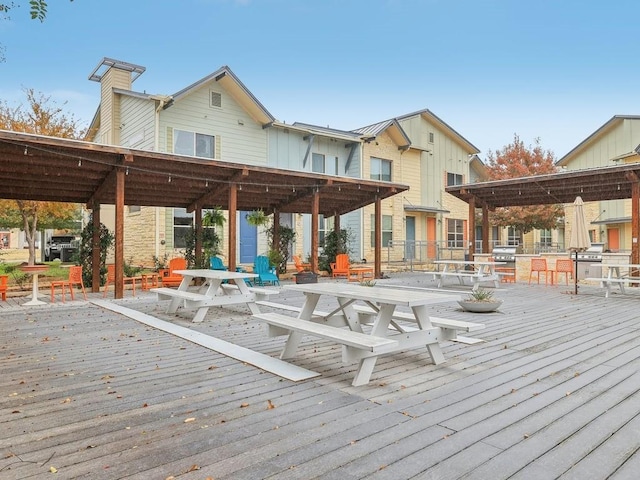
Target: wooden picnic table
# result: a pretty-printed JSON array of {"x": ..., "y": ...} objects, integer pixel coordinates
[
  {"x": 213, "y": 292},
  {"x": 386, "y": 335},
  {"x": 480, "y": 271}
]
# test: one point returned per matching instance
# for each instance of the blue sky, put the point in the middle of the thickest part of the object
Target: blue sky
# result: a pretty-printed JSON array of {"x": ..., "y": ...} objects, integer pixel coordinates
[{"x": 550, "y": 69}]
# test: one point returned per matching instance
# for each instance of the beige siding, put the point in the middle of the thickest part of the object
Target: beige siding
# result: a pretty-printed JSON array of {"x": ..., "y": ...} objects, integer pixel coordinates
[
  {"x": 238, "y": 138},
  {"x": 137, "y": 130}
]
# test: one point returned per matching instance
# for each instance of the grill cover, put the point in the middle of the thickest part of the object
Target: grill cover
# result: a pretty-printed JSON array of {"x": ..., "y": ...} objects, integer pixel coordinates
[{"x": 504, "y": 253}]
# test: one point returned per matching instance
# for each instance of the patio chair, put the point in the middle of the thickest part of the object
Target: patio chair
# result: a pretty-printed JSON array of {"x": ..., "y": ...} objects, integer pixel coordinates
[
  {"x": 300, "y": 267},
  {"x": 75, "y": 278},
  {"x": 170, "y": 279},
  {"x": 216, "y": 264},
  {"x": 3, "y": 286},
  {"x": 111, "y": 278},
  {"x": 266, "y": 274},
  {"x": 340, "y": 268},
  {"x": 538, "y": 266},
  {"x": 563, "y": 265}
]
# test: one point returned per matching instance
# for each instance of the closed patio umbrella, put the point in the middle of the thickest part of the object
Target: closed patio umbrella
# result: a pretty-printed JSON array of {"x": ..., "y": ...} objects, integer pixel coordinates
[{"x": 579, "y": 240}]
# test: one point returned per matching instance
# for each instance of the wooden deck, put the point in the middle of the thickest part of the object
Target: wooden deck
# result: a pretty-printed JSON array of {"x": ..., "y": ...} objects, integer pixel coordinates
[{"x": 552, "y": 392}]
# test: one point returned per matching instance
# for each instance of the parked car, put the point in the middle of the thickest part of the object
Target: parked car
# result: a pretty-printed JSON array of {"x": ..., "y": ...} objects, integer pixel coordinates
[{"x": 60, "y": 246}]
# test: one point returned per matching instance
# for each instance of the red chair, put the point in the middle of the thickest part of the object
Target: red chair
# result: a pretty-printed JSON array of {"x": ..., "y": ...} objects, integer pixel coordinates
[
  {"x": 111, "y": 278},
  {"x": 563, "y": 265},
  {"x": 3, "y": 286},
  {"x": 75, "y": 278}
]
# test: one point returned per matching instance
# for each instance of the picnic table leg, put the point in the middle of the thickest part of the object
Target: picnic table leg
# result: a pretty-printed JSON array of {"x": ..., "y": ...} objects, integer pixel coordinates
[
  {"x": 293, "y": 341},
  {"x": 175, "y": 301},
  {"x": 422, "y": 317},
  {"x": 365, "y": 369}
]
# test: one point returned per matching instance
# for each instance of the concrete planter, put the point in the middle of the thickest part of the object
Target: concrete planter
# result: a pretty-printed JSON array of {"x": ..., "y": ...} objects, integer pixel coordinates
[
  {"x": 480, "y": 307},
  {"x": 306, "y": 277}
]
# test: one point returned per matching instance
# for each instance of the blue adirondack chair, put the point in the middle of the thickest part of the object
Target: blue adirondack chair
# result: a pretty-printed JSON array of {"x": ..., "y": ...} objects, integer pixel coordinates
[
  {"x": 266, "y": 275},
  {"x": 216, "y": 264}
]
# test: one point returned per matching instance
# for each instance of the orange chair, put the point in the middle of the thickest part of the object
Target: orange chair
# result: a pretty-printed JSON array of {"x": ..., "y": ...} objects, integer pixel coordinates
[
  {"x": 169, "y": 279},
  {"x": 563, "y": 265},
  {"x": 75, "y": 278},
  {"x": 111, "y": 278},
  {"x": 3, "y": 286},
  {"x": 300, "y": 267},
  {"x": 340, "y": 268},
  {"x": 538, "y": 266}
]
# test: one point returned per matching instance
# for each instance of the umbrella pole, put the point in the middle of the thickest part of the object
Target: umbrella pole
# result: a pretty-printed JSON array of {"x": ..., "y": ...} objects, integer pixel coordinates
[{"x": 575, "y": 273}]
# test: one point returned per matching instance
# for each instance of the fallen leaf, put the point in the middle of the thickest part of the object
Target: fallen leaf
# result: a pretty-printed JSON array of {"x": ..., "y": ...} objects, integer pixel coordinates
[
  {"x": 53, "y": 469},
  {"x": 193, "y": 468},
  {"x": 244, "y": 405},
  {"x": 145, "y": 405},
  {"x": 190, "y": 419},
  {"x": 212, "y": 367},
  {"x": 66, "y": 400},
  {"x": 270, "y": 405}
]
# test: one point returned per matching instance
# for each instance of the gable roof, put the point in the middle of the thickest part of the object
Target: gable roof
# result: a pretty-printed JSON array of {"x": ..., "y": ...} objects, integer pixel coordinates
[
  {"x": 432, "y": 117},
  {"x": 595, "y": 136},
  {"x": 392, "y": 127}
]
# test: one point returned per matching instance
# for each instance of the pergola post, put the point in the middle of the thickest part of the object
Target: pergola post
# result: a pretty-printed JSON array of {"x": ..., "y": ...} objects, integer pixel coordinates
[
  {"x": 377, "y": 260},
  {"x": 315, "y": 224},
  {"x": 276, "y": 232},
  {"x": 119, "y": 234},
  {"x": 95, "y": 248},
  {"x": 233, "y": 231},
  {"x": 472, "y": 228},
  {"x": 485, "y": 229},
  {"x": 635, "y": 222},
  {"x": 198, "y": 232}
]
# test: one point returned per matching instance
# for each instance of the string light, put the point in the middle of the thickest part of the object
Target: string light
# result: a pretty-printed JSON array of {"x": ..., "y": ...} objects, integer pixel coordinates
[
  {"x": 26, "y": 149},
  {"x": 169, "y": 179},
  {"x": 206, "y": 183},
  {"x": 126, "y": 172},
  {"x": 80, "y": 162}
]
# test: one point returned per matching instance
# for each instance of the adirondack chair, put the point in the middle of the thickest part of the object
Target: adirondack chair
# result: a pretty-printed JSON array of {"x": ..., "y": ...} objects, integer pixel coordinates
[
  {"x": 169, "y": 279},
  {"x": 3, "y": 286},
  {"x": 265, "y": 273},
  {"x": 216, "y": 264},
  {"x": 340, "y": 268},
  {"x": 300, "y": 267}
]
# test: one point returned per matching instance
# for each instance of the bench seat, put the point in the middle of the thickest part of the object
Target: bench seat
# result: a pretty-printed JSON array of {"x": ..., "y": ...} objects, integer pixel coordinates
[
  {"x": 260, "y": 292},
  {"x": 345, "y": 337},
  {"x": 290, "y": 308},
  {"x": 166, "y": 293}
]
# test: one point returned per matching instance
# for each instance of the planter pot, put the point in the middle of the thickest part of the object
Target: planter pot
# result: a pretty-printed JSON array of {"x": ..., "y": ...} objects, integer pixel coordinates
[
  {"x": 480, "y": 307},
  {"x": 306, "y": 277}
]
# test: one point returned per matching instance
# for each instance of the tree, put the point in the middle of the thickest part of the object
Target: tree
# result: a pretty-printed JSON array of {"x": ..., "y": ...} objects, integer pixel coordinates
[
  {"x": 517, "y": 160},
  {"x": 43, "y": 117},
  {"x": 37, "y": 10}
]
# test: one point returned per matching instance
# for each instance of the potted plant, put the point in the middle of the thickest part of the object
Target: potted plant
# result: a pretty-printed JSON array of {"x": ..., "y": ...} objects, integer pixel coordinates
[{"x": 480, "y": 301}]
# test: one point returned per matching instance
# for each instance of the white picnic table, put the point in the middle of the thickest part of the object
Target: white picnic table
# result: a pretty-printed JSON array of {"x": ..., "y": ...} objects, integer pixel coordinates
[
  {"x": 213, "y": 292},
  {"x": 618, "y": 273},
  {"x": 481, "y": 271},
  {"x": 385, "y": 335}
]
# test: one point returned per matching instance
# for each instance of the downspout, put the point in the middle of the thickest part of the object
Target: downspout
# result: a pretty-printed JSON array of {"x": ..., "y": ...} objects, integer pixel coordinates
[{"x": 162, "y": 101}]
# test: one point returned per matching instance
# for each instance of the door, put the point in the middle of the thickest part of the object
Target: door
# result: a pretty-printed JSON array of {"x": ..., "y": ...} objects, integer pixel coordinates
[
  {"x": 410, "y": 239},
  {"x": 431, "y": 237},
  {"x": 613, "y": 239},
  {"x": 248, "y": 240}
]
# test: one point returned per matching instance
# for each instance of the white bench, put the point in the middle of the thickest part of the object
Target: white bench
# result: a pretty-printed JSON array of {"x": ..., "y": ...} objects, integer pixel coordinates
[
  {"x": 343, "y": 336},
  {"x": 449, "y": 327},
  {"x": 607, "y": 282},
  {"x": 475, "y": 276},
  {"x": 261, "y": 293},
  {"x": 290, "y": 308}
]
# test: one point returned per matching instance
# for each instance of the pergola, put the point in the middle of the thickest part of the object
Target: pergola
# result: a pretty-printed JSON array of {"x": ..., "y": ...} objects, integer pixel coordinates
[
  {"x": 594, "y": 184},
  {"x": 36, "y": 167}
]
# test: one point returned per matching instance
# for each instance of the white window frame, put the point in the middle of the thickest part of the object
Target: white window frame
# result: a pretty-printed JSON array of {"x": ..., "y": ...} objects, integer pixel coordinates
[
  {"x": 455, "y": 233},
  {"x": 194, "y": 144},
  {"x": 377, "y": 169},
  {"x": 386, "y": 222}
]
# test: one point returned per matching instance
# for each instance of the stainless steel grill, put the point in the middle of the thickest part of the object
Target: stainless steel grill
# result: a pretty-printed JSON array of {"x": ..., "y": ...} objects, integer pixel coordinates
[
  {"x": 505, "y": 253},
  {"x": 586, "y": 259}
]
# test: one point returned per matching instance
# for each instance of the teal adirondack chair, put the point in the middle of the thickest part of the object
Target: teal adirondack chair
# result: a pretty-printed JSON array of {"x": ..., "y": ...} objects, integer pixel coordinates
[
  {"x": 216, "y": 264},
  {"x": 266, "y": 275}
]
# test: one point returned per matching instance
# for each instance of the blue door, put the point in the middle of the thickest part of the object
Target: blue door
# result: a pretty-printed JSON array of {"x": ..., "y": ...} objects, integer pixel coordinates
[{"x": 248, "y": 240}]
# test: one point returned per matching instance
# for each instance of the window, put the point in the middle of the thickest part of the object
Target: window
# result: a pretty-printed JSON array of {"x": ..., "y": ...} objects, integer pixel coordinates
[
  {"x": 325, "y": 225},
  {"x": 182, "y": 223},
  {"x": 134, "y": 208},
  {"x": 545, "y": 237},
  {"x": 380, "y": 169},
  {"x": 430, "y": 137},
  {"x": 193, "y": 144},
  {"x": 454, "y": 179},
  {"x": 324, "y": 164},
  {"x": 387, "y": 230},
  {"x": 513, "y": 236},
  {"x": 455, "y": 233}
]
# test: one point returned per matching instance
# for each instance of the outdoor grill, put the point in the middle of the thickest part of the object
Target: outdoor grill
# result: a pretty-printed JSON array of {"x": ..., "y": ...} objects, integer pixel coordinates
[
  {"x": 588, "y": 257},
  {"x": 505, "y": 253}
]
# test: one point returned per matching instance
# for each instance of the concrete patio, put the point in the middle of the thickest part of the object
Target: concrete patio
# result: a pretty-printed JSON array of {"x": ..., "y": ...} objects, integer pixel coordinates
[{"x": 552, "y": 392}]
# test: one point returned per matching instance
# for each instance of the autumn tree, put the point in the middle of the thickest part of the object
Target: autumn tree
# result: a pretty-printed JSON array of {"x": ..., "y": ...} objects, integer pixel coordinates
[
  {"x": 517, "y": 160},
  {"x": 44, "y": 117}
]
